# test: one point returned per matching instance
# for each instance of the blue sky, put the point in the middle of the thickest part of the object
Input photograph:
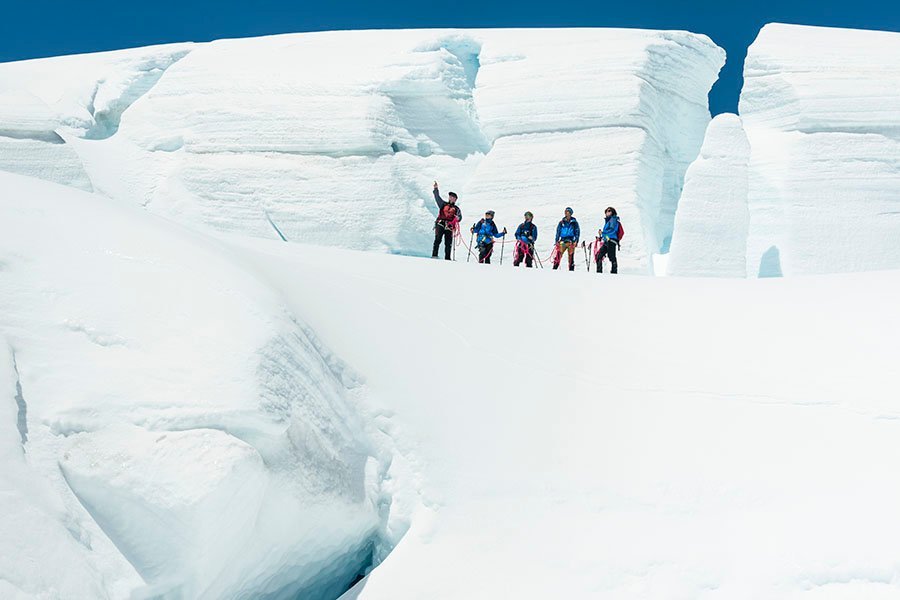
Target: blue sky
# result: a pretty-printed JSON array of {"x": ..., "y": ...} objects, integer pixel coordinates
[{"x": 38, "y": 28}]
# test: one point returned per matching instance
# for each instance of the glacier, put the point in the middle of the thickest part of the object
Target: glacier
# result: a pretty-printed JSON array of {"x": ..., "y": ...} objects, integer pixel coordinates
[
  {"x": 329, "y": 145},
  {"x": 196, "y": 409}
]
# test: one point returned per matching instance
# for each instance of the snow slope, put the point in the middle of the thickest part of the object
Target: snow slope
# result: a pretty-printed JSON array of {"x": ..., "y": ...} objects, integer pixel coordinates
[
  {"x": 586, "y": 436},
  {"x": 552, "y": 434},
  {"x": 822, "y": 114},
  {"x": 336, "y": 137},
  {"x": 710, "y": 237},
  {"x": 170, "y": 428}
]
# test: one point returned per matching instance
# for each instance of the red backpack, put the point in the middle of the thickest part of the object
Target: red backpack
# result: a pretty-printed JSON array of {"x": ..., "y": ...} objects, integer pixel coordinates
[{"x": 620, "y": 233}]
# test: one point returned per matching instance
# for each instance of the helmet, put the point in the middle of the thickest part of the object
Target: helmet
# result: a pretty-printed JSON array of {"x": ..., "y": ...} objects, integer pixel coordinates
[
  {"x": 569, "y": 210},
  {"x": 489, "y": 212}
]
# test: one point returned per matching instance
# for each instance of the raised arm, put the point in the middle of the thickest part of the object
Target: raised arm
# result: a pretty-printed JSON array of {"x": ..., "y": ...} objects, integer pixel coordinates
[{"x": 437, "y": 198}]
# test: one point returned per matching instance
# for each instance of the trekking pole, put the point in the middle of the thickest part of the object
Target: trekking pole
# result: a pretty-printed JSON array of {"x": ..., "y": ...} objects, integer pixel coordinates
[
  {"x": 537, "y": 256},
  {"x": 471, "y": 239},
  {"x": 455, "y": 244},
  {"x": 587, "y": 262},
  {"x": 502, "y": 248}
]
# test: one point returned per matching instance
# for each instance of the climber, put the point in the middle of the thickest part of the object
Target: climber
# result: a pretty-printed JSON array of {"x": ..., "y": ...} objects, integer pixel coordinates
[
  {"x": 449, "y": 215},
  {"x": 526, "y": 236},
  {"x": 486, "y": 231},
  {"x": 609, "y": 237},
  {"x": 567, "y": 235}
]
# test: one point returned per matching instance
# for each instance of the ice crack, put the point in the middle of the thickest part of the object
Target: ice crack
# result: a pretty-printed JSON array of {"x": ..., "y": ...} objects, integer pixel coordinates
[{"x": 21, "y": 419}]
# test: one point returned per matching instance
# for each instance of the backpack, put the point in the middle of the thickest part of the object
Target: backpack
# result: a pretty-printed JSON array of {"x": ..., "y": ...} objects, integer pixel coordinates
[
  {"x": 447, "y": 213},
  {"x": 620, "y": 233}
]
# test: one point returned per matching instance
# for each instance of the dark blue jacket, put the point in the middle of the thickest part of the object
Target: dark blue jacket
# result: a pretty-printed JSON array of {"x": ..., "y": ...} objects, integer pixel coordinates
[
  {"x": 568, "y": 231},
  {"x": 611, "y": 228},
  {"x": 486, "y": 231},
  {"x": 527, "y": 232}
]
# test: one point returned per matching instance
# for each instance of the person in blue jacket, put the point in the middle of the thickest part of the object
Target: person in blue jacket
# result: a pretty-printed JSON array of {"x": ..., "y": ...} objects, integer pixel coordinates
[
  {"x": 526, "y": 236},
  {"x": 567, "y": 235},
  {"x": 609, "y": 240},
  {"x": 485, "y": 231}
]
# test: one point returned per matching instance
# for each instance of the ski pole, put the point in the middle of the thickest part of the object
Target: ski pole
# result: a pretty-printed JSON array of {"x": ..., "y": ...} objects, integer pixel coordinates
[{"x": 471, "y": 239}]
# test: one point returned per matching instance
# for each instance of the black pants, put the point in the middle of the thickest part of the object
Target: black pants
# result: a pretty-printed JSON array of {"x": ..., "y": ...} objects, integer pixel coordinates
[
  {"x": 484, "y": 253},
  {"x": 528, "y": 255},
  {"x": 445, "y": 233},
  {"x": 608, "y": 248}
]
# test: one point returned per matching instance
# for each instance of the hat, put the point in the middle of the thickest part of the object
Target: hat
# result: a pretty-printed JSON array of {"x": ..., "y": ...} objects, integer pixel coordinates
[
  {"x": 489, "y": 212},
  {"x": 569, "y": 210},
  {"x": 528, "y": 214}
]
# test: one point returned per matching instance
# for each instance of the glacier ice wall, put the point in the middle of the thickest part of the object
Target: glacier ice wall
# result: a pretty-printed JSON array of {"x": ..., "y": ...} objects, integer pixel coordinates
[
  {"x": 608, "y": 117},
  {"x": 710, "y": 238},
  {"x": 822, "y": 114},
  {"x": 45, "y": 103},
  {"x": 336, "y": 137},
  {"x": 186, "y": 435}
]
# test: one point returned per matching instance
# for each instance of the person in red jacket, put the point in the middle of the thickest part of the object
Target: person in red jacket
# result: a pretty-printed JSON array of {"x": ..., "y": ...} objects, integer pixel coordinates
[{"x": 448, "y": 216}]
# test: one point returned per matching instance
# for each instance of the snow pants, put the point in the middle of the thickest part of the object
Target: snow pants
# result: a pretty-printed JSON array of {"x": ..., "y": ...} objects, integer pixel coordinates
[
  {"x": 484, "y": 253},
  {"x": 565, "y": 247},
  {"x": 441, "y": 231},
  {"x": 527, "y": 254},
  {"x": 608, "y": 249}
]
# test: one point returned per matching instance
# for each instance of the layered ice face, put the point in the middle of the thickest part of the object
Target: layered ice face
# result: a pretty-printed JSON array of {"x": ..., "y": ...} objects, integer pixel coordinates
[
  {"x": 711, "y": 224},
  {"x": 335, "y": 138},
  {"x": 821, "y": 113}
]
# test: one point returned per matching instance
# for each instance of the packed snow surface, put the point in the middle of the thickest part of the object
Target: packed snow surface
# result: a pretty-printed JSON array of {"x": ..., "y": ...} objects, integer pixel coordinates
[
  {"x": 335, "y": 138},
  {"x": 822, "y": 113},
  {"x": 594, "y": 436}
]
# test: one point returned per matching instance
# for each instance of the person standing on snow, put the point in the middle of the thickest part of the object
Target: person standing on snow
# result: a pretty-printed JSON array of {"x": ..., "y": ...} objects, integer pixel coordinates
[
  {"x": 567, "y": 235},
  {"x": 609, "y": 241},
  {"x": 448, "y": 216},
  {"x": 526, "y": 236},
  {"x": 486, "y": 231}
]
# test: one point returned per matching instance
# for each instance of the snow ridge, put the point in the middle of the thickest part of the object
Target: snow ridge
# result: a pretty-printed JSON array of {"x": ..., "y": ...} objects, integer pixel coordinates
[{"x": 170, "y": 357}]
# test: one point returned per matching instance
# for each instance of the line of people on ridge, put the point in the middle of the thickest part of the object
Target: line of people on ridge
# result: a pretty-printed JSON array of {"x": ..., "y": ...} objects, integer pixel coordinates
[{"x": 568, "y": 235}]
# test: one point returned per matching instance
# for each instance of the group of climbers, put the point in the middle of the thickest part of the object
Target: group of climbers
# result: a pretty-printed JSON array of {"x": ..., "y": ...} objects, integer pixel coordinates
[{"x": 485, "y": 231}]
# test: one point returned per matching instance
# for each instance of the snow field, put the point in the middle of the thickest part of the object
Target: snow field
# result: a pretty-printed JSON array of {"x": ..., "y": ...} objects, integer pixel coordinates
[{"x": 594, "y": 436}]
